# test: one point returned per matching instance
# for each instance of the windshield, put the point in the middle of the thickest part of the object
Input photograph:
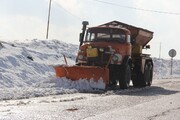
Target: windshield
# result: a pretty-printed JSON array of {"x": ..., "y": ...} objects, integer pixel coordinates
[{"x": 105, "y": 34}]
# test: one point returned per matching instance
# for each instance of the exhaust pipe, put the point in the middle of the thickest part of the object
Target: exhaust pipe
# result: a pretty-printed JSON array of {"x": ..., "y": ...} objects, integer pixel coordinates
[{"x": 81, "y": 36}]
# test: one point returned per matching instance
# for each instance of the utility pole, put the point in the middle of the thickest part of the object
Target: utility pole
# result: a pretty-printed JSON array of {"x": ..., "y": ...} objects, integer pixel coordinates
[{"x": 49, "y": 13}]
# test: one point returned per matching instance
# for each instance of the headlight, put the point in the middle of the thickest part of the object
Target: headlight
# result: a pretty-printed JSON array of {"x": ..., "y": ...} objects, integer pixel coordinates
[
  {"x": 80, "y": 57},
  {"x": 117, "y": 58}
]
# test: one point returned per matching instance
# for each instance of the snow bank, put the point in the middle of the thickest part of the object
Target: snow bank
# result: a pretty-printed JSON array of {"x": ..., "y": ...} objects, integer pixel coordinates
[
  {"x": 26, "y": 69},
  {"x": 162, "y": 68}
]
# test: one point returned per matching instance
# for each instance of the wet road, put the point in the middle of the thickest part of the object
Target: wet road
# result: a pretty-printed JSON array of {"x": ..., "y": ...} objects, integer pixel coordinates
[{"x": 161, "y": 101}]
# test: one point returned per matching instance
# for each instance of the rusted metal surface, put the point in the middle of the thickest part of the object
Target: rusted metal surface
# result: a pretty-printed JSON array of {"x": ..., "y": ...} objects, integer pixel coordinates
[{"x": 140, "y": 35}]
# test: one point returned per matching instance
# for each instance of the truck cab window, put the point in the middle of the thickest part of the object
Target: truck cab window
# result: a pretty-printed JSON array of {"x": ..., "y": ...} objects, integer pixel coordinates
[
  {"x": 103, "y": 35},
  {"x": 119, "y": 37},
  {"x": 106, "y": 34},
  {"x": 90, "y": 36}
]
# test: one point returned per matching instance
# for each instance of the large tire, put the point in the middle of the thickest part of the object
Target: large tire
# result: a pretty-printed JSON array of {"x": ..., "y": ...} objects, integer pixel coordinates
[
  {"x": 143, "y": 79},
  {"x": 125, "y": 77},
  {"x": 148, "y": 74},
  {"x": 137, "y": 78},
  {"x": 113, "y": 81}
]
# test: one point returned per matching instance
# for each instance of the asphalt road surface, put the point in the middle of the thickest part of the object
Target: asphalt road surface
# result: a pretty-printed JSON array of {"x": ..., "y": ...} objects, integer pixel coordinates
[{"x": 161, "y": 101}]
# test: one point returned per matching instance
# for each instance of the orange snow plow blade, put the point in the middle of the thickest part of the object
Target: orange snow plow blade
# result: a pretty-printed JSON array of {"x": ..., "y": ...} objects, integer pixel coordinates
[{"x": 83, "y": 72}]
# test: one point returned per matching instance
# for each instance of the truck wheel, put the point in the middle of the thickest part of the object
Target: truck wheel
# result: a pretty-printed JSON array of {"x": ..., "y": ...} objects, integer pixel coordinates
[
  {"x": 148, "y": 73},
  {"x": 143, "y": 79},
  {"x": 137, "y": 79},
  {"x": 137, "y": 75},
  {"x": 125, "y": 77}
]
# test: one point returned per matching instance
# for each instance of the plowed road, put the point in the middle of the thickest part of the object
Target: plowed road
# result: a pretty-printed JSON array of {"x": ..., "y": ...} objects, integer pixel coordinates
[{"x": 161, "y": 101}]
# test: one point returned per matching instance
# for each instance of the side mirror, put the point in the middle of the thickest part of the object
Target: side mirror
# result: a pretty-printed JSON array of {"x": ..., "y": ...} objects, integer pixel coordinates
[{"x": 132, "y": 40}]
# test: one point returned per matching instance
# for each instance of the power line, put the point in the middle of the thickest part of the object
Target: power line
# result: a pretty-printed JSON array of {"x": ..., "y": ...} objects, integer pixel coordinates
[
  {"x": 134, "y": 8},
  {"x": 70, "y": 13},
  {"x": 49, "y": 14}
]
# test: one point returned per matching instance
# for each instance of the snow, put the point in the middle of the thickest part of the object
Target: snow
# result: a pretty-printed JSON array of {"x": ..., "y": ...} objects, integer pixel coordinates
[
  {"x": 162, "y": 68},
  {"x": 26, "y": 69}
]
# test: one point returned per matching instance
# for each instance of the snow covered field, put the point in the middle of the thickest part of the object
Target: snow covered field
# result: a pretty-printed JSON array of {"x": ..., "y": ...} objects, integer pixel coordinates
[{"x": 26, "y": 69}]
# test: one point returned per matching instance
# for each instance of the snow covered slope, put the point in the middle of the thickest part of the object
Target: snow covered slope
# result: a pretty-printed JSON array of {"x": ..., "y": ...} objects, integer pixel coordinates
[
  {"x": 22, "y": 64},
  {"x": 26, "y": 69},
  {"x": 162, "y": 68}
]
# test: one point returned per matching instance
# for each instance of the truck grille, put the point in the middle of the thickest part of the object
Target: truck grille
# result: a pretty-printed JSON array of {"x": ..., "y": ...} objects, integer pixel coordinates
[{"x": 98, "y": 57}]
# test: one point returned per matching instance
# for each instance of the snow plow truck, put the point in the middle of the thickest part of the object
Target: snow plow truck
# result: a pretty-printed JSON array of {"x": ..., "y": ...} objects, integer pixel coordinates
[{"x": 112, "y": 52}]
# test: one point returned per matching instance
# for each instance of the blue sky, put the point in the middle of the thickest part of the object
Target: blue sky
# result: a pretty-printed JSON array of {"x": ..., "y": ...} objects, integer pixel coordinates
[{"x": 27, "y": 19}]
